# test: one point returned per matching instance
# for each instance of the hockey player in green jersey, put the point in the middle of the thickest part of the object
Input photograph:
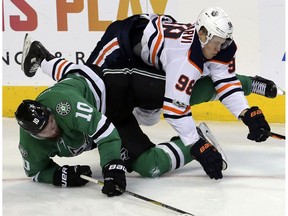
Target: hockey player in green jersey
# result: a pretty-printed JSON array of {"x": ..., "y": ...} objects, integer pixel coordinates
[{"x": 65, "y": 120}]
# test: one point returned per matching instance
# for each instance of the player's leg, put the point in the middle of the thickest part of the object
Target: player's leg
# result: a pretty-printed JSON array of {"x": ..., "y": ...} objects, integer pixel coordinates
[
  {"x": 35, "y": 55},
  {"x": 263, "y": 87},
  {"x": 107, "y": 53},
  {"x": 166, "y": 157},
  {"x": 163, "y": 158},
  {"x": 258, "y": 85},
  {"x": 134, "y": 141},
  {"x": 120, "y": 98},
  {"x": 141, "y": 155},
  {"x": 32, "y": 55},
  {"x": 204, "y": 89},
  {"x": 115, "y": 48}
]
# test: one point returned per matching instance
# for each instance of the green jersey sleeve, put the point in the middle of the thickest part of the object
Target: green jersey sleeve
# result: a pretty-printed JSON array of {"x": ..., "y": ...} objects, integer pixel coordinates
[{"x": 36, "y": 155}]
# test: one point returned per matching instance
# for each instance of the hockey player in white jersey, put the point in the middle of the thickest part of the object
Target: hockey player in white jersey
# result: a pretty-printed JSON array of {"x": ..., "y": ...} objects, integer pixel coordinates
[{"x": 185, "y": 53}]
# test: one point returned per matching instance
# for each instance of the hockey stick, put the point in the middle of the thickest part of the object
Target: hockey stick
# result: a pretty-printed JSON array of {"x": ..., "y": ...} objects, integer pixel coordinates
[
  {"x": 276, "y": 136},
  {"x": 138, "y": 196}
]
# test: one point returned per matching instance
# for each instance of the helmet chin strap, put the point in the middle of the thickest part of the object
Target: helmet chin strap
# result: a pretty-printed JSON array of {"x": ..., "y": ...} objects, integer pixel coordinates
[
  {"x": 206, "y": 41},
  {"x": 37, "y": 137}
]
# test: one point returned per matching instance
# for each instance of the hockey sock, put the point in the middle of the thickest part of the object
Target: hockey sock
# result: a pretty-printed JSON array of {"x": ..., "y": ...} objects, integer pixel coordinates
[
  {"x": 246, "y": 83},
  {"x": 163, "y": 158},
  {"x": 204, "y": 89}
]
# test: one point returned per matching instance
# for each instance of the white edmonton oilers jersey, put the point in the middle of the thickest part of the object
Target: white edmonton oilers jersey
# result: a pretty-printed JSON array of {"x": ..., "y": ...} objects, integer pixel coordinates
[{"x": 175, "y": 48}]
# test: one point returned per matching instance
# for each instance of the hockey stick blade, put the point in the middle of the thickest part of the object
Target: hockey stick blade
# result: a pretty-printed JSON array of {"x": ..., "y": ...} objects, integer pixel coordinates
[
  {"x": 138, "y": 196},
  {"x": 26, "y": 45},
  {"x": 211, "y": 138}
]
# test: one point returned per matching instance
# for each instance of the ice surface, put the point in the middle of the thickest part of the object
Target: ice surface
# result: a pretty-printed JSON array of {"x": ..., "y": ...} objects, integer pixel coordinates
[{"x": 253, "y": 184}]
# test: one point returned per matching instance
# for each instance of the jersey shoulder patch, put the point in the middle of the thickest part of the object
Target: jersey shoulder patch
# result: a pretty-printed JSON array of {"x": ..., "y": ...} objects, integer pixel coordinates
[{"x": 63, "y": 108}]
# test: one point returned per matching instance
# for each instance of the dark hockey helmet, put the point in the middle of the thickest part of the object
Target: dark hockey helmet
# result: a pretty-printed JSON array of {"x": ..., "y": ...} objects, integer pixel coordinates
[{"x": 32, "y": 116}]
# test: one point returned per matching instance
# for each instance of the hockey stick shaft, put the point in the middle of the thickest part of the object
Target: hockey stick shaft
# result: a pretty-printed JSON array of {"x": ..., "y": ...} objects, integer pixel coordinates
[
  {"x": 138, "y": 196},
  {"x": 274, "y": 135},
  {"x": 277, "y": 136}
]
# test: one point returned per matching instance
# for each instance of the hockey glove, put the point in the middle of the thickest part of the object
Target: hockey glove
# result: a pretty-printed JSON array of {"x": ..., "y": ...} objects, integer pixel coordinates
[
  {"x": 69, "y": 176},
  {"x": 257, "y": 124},
  {"x": 114, "y": 178},
  {"x": 209, "y": 157}
]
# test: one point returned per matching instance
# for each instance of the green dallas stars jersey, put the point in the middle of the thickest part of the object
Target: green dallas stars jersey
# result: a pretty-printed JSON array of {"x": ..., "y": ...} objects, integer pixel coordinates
[{"x": 83, "y": 128}]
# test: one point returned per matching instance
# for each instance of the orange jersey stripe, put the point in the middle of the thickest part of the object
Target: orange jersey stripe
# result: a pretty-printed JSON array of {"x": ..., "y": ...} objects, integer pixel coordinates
[
  {"x": 193, "y": 63},
  {"x": 157, "y": 44},
  {"x": 100, "y": 58},
  {"x": 175, "y": 110},
  {"x": 59, "y": 71},
  {"x": 227, "y": 86}
]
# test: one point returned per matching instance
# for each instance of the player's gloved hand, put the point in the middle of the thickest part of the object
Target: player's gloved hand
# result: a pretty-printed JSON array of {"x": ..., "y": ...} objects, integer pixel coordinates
[
  {"x": 114, "y": 178},
  {"x": 209, "y": 157},
  {"x": 69, "y": 176},
  {"x": 257, "y": 124}
]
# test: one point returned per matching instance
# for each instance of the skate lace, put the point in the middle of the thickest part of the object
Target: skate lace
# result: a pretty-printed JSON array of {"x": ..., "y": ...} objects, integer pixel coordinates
[
  {"x": 34, "y": 67},
  {"x": 258, "y": 87}
]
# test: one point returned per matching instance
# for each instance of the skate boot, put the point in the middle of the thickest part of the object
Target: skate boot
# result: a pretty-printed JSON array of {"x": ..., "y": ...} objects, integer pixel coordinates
[
  {"x": 264, "y": 87},
  {"x": 206, "y": 134},
  {"x": 32, "y": 56}
]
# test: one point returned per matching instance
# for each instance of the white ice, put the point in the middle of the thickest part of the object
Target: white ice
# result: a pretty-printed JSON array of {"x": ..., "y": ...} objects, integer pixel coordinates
[{"x": 253, "y": 184}]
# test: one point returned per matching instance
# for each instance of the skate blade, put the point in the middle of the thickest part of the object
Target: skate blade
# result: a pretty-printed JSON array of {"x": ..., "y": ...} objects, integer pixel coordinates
[
  {"x": 280, "y": 91},
  {"x": 26, "y": 45}
]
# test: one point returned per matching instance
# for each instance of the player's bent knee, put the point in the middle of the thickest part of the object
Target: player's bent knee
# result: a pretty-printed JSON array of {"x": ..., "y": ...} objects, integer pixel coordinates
[{"x": 152, "y": 163}]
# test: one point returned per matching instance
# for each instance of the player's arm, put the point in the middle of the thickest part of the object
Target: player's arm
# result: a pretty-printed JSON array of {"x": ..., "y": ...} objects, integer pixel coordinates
[
  {"x": 231, "y": 94},
  {"x": 103, "y": 133},
  {"x": 38, "y": 164},
  {"x": 36, "y": 161},
  {"x": 253, "y": 117},
  {"x": 177, "y": 112},
  {"x": 39, "y": 169},
  {"x": 176, "y": 108}
]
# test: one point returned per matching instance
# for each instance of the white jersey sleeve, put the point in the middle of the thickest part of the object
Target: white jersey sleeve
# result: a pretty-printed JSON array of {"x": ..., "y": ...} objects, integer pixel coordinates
[
  {"x": 166, "y": 46},
  {"x": 228, "y": 88}
]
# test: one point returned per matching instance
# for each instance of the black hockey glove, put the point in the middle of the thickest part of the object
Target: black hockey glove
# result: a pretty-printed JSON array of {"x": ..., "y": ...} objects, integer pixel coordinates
[
  {"x": 114, "y": 178},
  {"x": 69, "y": 176},
  {"x": 257, "y": 124},
  {"x": 209, "y": 157}
]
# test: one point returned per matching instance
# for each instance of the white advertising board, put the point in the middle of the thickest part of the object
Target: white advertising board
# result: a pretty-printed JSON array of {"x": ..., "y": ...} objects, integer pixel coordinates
[{"x": 73, "y": 27}]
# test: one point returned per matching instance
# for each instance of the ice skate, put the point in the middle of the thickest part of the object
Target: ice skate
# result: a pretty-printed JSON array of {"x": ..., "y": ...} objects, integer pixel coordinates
[
  {"x": 32, "y": 55},
  {"x": 264, "y": 87},
  {"x": 206, "y": 134}
]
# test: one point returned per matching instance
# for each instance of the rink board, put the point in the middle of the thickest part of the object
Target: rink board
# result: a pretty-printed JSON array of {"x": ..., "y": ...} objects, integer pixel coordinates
[{"x": 13, "y": 95}]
